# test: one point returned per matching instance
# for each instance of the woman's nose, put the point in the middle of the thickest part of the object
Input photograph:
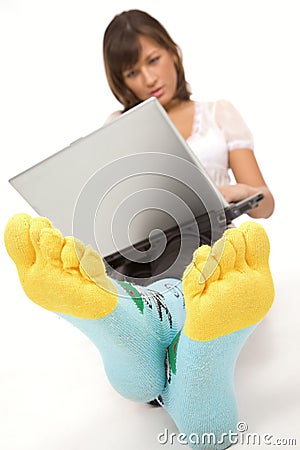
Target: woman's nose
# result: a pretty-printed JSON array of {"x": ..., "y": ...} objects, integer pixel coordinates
[{"x": 149, "y": 77}]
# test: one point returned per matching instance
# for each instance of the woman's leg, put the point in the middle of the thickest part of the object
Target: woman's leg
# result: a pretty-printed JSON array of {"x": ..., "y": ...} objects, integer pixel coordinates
[
  {"x": 227, "y": 290},
  {"x": 131, "y": 326}
]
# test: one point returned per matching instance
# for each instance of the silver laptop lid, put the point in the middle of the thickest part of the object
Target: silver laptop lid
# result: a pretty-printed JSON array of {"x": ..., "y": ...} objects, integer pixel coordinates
[{"x": 123, "y": 183}]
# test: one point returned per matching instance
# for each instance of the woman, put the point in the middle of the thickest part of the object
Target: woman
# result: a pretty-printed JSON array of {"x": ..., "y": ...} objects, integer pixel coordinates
[
  {"x": 177, "y": 342},
  {"x": 141, "y": 60}
]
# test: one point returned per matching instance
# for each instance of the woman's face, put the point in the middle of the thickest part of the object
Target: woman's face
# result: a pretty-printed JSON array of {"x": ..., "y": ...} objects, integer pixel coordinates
[{"x": 154, "y": 74}]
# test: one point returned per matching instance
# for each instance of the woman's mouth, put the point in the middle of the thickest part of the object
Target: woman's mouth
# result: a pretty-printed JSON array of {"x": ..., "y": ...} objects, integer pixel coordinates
[{"x": 157, "y": 92}]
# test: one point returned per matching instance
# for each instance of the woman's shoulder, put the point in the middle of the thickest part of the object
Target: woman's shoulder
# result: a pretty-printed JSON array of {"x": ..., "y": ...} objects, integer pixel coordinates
[
  {"x": 220, "y": 110},
  {"x": 213, "y": 105},
  {"x": 112, "y": 116}
]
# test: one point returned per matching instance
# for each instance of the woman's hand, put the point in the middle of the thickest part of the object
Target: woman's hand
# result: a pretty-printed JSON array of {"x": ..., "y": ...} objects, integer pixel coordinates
[
  {"x": 236, "y": 192},
  {"x": 249, "y": 181}
]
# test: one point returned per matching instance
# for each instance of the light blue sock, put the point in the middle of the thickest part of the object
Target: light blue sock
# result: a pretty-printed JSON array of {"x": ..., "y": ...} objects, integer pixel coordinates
[
  {"x": 134, "y": 338},
  {"x": 228, "y": 290},
  {"x": 200, "y": 393}
]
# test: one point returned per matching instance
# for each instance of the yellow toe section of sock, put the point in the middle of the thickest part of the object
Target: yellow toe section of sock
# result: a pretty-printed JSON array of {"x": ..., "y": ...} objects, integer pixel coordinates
[
  {"x": 230, "y": 287},
  {"x": 60, "y": 274}
]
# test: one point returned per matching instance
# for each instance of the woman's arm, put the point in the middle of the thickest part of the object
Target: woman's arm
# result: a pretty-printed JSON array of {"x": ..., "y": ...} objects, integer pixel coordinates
[{"x": 249, "y": 181}]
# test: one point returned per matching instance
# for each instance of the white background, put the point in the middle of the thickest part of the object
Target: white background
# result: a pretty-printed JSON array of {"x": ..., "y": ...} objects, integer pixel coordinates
[{"x": 53, "y": 391}]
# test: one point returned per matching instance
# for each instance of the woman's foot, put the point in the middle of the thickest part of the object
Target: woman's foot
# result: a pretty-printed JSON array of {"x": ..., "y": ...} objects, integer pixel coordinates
[
  {"x": 131, "y": 326},
  {"x": 60, "y": 274},
  {"x": 228, "y": 287}
]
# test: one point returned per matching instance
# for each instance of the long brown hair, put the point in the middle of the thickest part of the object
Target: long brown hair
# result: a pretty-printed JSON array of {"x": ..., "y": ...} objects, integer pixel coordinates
[{"x": 121, "y": 50}]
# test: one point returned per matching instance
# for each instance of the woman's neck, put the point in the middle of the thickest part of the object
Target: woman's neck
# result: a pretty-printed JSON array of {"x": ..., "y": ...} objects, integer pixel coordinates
[
  {"x": 182, "y": 115},
  {"x": 176, "y": 105}
]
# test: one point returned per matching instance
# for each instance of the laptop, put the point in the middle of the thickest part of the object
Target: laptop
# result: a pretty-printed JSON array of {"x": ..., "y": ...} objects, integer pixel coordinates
[{"x": 127, "y": 186}]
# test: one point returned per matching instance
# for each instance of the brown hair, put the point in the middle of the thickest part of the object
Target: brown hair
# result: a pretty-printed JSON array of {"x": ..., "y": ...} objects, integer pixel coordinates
[{"x": 121, "y": 50}]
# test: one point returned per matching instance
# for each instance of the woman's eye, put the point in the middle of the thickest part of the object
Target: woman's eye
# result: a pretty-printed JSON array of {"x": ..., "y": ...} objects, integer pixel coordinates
[
  {"x": 154, "y": 60},
  {"x": 131, "y": 74}
]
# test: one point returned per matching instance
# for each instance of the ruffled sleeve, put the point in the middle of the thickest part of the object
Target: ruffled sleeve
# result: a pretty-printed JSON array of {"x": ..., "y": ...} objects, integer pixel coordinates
[{"x": 233, "y": 126}]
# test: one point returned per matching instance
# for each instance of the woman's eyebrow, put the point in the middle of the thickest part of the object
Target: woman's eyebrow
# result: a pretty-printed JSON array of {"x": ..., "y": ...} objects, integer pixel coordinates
[
  {"x": 151, "y": 53},
  {"x": 129, "y": 68},
  {"x": 146, "y": 58}
]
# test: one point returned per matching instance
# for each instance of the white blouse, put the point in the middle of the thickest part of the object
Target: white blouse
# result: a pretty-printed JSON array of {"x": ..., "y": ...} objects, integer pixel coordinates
[{"x": 218, "y": 128}]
